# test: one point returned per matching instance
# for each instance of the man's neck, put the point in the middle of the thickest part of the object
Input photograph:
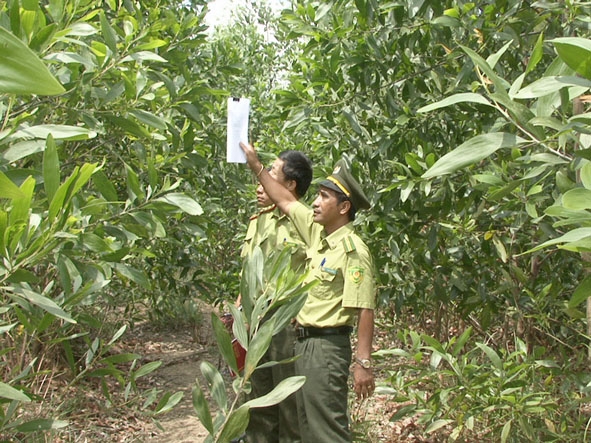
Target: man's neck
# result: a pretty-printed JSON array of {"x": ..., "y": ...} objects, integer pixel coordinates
[{"x": 336, "y": 225}]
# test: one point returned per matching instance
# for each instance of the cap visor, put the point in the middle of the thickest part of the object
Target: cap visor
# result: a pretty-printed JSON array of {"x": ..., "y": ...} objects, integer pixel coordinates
[{"x": 330, "y": 185}]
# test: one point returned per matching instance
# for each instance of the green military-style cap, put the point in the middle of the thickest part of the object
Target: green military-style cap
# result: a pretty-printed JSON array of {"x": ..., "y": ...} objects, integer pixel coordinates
[{"x": 341, "y": 180}]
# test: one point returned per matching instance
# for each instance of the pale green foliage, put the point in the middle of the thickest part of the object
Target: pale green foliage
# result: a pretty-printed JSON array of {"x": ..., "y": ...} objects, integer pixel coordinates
[{"x": 270, "y": 290}]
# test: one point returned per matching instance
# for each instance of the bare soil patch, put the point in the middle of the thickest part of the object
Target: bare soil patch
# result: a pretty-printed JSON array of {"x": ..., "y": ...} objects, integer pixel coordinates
[{"x": 181, "y": 352}]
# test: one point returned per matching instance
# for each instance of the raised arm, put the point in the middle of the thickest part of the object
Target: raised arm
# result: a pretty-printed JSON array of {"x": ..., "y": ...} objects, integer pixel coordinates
[{"x": 279, "y": 194}]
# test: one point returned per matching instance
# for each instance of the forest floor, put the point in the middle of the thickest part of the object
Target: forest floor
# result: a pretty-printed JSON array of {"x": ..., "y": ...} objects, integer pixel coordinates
[{"x": 181, "y": 352}]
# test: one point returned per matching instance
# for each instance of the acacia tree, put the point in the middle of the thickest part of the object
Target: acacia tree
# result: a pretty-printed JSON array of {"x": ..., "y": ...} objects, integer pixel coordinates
[{"x": 470, "y": 166}]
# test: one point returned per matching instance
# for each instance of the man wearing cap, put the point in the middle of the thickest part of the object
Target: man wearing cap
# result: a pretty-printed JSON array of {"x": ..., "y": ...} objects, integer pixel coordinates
[
  {"x": 345, "y": 295},
  {"x": 272, "y": 231}
]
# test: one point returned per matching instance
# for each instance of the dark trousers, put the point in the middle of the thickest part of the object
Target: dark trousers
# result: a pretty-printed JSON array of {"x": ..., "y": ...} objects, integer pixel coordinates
[
  {"x": 322, "y": 401},
  {"x": 277, "y": 423}
]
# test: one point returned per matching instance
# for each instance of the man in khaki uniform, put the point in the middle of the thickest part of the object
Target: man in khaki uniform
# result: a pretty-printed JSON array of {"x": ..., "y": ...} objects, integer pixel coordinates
[
  {"x": 272, "y": 231},
  {"x": 345, "y": 295}
]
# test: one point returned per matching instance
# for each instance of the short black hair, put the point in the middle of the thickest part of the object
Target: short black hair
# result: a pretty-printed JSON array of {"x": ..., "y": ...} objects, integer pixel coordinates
[
  {"x": 343, "y": 198},
  {"x": 297, "y": 166}
]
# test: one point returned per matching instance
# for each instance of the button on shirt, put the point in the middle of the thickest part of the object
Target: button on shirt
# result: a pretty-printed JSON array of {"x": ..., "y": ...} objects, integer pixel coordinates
[{"x": 343, "y": 266}]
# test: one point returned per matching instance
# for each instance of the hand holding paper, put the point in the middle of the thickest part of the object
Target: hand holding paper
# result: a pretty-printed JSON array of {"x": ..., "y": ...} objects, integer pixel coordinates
[{"x": 238, "y": 110}]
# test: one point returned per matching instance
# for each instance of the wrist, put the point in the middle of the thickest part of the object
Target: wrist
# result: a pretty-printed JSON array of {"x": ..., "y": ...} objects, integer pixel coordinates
[{"x": 365, "y": 363}]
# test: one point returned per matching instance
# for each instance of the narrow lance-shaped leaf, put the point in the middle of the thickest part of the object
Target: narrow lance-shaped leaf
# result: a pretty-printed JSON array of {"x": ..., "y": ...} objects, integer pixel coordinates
[
  {"x": 573, "y": 236},
  {"x": 472, "y": 151},
  {"x": 216, "y": 385},
  {"x": 183, "y": 202},
  {"x": 465, "y": 97},
  {"x": 258, "y": 346},
  {"x": 43, "y": 302},
  {"x": 59, "y": 132},
  {"x": 51, "y": 168},
  {"x": 104, "y": 186},
  {"x": 235, "y": 425},
  {"x": 7, "y": 391},
  {"x": 224, "y": 342},
  {"x": 283, "y": 390},
  {"x": 549, "y": 85},
  {"x": 202, "y": 408},
  {"x": 581, "y": 294},
  {"x": 42, "y": 424},
  {"x": 576, "y": 54},
  {"x": 8, "y": 189},
  {"x": 501, "y": 85},
  {"x": 109, "y": 33},
  {"x": 22, "y": 205},
  {"x": 21, "y": 71}
]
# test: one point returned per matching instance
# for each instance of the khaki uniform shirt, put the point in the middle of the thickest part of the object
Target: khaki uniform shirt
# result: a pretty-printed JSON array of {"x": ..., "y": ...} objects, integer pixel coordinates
[
  {"x": 272, "y": 231},
  {"x": 342, "y": 264}
]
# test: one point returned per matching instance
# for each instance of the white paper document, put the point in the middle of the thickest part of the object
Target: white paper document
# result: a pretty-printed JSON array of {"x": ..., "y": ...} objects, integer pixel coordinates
[{"x": 238, "y": 109}]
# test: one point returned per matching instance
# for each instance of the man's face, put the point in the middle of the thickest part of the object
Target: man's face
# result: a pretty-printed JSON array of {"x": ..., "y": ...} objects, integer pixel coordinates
[
  {"x": 326, "y": 207},
  {"x": 263, "y": 199},
  {"x": 277, "y": 172}
]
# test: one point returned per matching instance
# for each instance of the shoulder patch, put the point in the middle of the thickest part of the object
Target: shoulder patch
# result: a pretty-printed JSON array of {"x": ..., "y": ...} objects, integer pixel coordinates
[
  {"x": 355, "y": 274},
  {"x": 349, "y": 244}
]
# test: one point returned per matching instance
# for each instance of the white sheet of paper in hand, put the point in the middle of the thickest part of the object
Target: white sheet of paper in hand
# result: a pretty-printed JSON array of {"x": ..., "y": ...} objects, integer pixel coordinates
[{"x": 238, "y": 109}]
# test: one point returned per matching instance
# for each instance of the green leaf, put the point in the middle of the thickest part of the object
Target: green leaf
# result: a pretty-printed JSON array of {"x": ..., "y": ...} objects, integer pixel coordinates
[
  {"x": 7, "y": 391},
  {"x": 42, "y": 424},
  {"x": 109, "y": 33},
  {"x": 258, "y": 346},
  {"x": 283, "y": 390},
  {"x": 582, "y": 293},
  {"x": 492, "y": 355},
  {"x": 51, "y": 168},
  {"x": 44, "y": 303},
  {"x": 146, "y": 369},
  {"x": 536, "y": 54},
  {"x": 224, "y": 342},
  {"x": 149, "y": 119},
  {"x": 120, "y": 358},
  {"x": 136, "y": 275},
  {"x": 549, "y": 85},
  {"x": 133, "y": 184},
  {"x": 21, "y": 206},
  {"x": 183, "y": 202},
  {"x": 239, "y": 327},
  {"x": 216, "y": 385},
  {"x": 472, "y": 151},
  {"x": 168, "y": 402},
  {"x": 466, "y": 97},
  {"x": 437, "y": 424},
  {"x": 235, "y": 425},
  {"x": 576, "y": 53},
  {"x": 8, "y": 189},
  {"x": 59, "y": 132},
  {"x": 577, "y": 199},
  {"x": 202, "y": 408},
  {"x": 104, "y": 186},
  {"x": 575, "y": 236},
  {"x": 500, "y": 84},
  {"x": 506, "y": 432},
  {"x": 461, "y": 342},
  {"x": 143, "y": 56},
  {"x": 21, "y": 71}
]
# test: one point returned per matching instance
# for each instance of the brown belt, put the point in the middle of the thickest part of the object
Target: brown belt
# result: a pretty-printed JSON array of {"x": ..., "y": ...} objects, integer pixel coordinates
[{"x": 305, "y": 332}]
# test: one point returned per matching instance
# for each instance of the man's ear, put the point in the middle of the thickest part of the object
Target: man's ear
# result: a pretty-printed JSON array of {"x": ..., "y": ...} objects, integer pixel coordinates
[
  {"x": 291, "y": 186},
  {"x": 346, "y": 206}
]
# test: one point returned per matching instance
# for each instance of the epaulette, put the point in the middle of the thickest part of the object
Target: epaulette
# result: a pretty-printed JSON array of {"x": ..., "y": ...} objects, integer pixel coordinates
[
  {"x": 349, "y": 244},
  {"x": 263, "y": 211}
]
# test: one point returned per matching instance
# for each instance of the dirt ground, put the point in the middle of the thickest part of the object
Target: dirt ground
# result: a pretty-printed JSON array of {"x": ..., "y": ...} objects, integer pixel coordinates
[{"x": 181, "y": 352}]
